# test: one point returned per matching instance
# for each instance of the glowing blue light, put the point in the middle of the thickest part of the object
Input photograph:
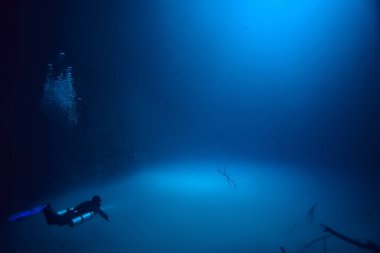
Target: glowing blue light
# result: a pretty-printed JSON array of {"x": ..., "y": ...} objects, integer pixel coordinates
[
  {"x": 270, "y": 50},
  {"x": 190, "y": 178}
]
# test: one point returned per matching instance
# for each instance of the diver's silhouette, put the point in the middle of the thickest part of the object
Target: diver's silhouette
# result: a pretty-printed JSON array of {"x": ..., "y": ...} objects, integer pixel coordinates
[{"x": 74, "y": 216}]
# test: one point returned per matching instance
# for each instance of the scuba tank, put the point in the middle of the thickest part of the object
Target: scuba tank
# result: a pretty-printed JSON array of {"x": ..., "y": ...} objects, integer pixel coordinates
[
  {"x": 79, "y": 219},
  {"x": 76, "y": 219},
  {"x": 63, "y": 212}
]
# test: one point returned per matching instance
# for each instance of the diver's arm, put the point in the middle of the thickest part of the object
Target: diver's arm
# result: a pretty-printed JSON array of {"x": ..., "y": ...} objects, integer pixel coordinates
[{"x": 103, "y": 214}]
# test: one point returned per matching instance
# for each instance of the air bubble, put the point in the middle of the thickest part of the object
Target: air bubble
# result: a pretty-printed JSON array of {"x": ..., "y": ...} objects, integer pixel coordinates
[{"x": 59, "y": 96}]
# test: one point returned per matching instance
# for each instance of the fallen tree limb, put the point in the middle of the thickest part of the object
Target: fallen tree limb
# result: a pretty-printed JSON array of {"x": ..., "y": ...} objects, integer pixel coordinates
[
  {"x": 368, "y": 245},
  {"x": 311, "y": 213},
  {"x": 229, "y": 179}
]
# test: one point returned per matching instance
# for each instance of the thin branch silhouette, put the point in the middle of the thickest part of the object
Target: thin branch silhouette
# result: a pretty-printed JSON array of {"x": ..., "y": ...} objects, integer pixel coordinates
[
  {"x": 311, "y": 213},
  {"x": 224, "y": 173},
  {"x": 370, "y": 246}
]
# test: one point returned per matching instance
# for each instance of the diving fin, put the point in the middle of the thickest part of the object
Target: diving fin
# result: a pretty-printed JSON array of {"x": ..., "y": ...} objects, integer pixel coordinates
[{"x": 27, "y": 213}]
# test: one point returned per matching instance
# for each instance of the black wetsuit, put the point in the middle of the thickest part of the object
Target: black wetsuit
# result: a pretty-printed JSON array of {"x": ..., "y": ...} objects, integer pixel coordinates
[
  {"x": 53, "y": 218},
  {"x": 90, "y": 206}
]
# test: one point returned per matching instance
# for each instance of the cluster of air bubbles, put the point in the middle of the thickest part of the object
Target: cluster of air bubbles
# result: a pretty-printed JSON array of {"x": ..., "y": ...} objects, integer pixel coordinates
[{"x": 59, "y": 99}]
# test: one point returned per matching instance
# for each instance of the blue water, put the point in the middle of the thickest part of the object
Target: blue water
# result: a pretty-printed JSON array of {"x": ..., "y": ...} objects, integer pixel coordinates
[{"x": 205, "y": 125}]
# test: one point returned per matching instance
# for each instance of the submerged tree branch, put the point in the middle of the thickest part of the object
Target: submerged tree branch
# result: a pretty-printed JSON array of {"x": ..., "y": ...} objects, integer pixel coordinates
[
  {"x": 311, "y": 213},
  {"x": 368, "y": 245},
  {"x": 224, "y": 173}
]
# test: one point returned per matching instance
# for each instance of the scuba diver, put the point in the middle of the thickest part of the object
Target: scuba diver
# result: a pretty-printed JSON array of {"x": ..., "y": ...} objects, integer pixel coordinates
[
  {"x": 71, "y": 216},
  {"x": 74, "y": 216}
]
